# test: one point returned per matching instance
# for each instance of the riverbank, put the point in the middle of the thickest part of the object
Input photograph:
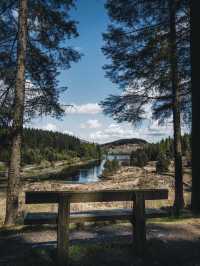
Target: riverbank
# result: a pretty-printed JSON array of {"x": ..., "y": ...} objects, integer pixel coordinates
[
  {"x": 54, "y": 168},
  {"x": 35, "y": 175},
  {"x": 48, "y": 169}
]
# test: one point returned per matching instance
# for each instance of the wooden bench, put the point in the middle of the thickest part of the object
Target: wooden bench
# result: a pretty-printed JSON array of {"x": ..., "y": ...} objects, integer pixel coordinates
[{"x": 137, "y": 215}]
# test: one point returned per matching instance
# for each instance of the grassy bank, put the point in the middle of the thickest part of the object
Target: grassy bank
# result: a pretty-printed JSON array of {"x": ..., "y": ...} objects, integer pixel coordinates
[{"x": 49, "y": 168}]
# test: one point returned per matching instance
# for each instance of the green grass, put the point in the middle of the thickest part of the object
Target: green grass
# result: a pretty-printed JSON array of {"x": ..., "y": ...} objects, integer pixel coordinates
[
  {"x": 96, "y": 254},
  {"x": 175, "y": 253},
  {"x": 2, "y": 167}
]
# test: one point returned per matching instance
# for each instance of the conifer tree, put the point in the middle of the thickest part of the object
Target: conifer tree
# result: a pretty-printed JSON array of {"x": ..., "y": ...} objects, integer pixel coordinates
[
  {"x": 32, "y": 52},
  {"x": 147, "y": 43},
  {"x": 17, "y": 127},
  {"x": 195, "y": 42}
]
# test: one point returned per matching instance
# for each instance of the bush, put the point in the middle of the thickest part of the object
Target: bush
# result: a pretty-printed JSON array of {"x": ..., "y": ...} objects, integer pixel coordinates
[
  {"x": 44, "y": 164},
  {"x": 2, "y": 167},
  {"x": 138, "y": 158},
  {"x": 162, "y": 164},
  {"x": 110, "y": 167},
  {"x": 30, "y": 156}
]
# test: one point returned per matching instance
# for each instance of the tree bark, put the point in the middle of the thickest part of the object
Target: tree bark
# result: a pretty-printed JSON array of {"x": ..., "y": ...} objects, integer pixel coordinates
[
  {"x": 195, "y": 77},
  {"x": 17, "y": 127},
  {"x": 179, "y": 198}
]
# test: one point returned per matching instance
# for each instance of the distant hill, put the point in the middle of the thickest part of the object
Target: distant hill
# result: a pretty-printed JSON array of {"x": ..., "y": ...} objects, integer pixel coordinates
[
  {"x": 125, "y": 142},
  {"x": 124, "y": 146}
]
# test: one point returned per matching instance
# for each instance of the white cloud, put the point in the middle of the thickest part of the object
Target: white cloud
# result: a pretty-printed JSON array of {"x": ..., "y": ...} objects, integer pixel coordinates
[
  {"x": 113, "y": 132},
  {"x": 88, "y": 108},
  {"x": 92, "y": 123},
  {"x": 68, "y": 132},
  {"x": 154, "y": 128},
  {"x": 78, "y": 48},
  {"x": 50, "y": 127},
  {"x": 151, "y": 133}
]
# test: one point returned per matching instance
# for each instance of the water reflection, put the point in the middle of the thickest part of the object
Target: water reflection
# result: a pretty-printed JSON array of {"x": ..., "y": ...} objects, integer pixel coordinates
[
  {"x": 92, "y": 172},
  {"x": 88, "y": 173}
]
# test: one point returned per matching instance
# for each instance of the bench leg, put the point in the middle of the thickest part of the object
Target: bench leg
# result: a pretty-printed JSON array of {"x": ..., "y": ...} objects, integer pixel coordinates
[
  {"x": 63, "y": 231},
  {"x": 139, "y": 225}
]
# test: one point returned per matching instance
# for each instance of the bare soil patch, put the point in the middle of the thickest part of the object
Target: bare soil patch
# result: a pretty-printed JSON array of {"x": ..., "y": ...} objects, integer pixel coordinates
[{"x": 173, "y": 242}]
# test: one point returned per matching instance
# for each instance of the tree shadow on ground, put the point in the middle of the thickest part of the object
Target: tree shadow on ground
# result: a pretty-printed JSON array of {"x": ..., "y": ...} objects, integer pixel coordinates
[
  {"x": 177, "y": 253},
  {"x": 107, "y": 247}
]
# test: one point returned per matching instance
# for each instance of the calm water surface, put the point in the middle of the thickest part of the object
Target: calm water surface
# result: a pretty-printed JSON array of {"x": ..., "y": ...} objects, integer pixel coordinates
[{"x": 91, "y": 173}]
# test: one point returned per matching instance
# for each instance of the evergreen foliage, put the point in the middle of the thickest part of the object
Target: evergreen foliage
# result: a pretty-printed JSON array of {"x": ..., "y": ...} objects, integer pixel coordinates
[
  {"x": 147, "y": 43},
  {"x": 110, "y": 167},
  {"x": 49, "y": 27},
  {"x": 162, "y": 164},
  {"x": 161, "y": 151},
  {"x": 166, "y": 147},
  {"x": 137, "y": 43},
  {"x": 138, "y": 158},
  {"x": 39, "y": 145}
]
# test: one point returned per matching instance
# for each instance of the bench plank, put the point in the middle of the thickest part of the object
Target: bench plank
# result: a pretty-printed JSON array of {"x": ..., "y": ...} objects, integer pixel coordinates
[
  {"x": 38, "y": 197},
  {"x": 92, "y": 216}
]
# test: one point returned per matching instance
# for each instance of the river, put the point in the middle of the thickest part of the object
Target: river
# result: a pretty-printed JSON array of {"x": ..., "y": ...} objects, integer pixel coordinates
[
  {"x": 88, "y": 173},
  {"x": 91, "y": 172}
]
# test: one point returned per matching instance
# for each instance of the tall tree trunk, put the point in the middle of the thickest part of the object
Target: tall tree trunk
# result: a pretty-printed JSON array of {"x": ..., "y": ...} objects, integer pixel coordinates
[
  {"x": 17, "y": 127},
  {"x": 195, "y": 59},
  {"x": 179, "y": 199}
]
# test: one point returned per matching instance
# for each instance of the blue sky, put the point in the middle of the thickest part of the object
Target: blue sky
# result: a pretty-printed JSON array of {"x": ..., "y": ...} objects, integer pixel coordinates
[{"x": 87, "y": 86}]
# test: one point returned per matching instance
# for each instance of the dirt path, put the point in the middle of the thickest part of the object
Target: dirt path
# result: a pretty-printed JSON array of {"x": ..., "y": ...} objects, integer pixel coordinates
[{"x": 16, "y": 245}]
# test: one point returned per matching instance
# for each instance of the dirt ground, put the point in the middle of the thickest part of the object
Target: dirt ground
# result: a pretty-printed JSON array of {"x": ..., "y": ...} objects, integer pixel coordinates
[{"x": 170, "y": 242}]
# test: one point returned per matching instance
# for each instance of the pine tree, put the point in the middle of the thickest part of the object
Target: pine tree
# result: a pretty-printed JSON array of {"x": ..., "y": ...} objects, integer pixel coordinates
[
  {"x": 179, "y": 197},
  {"x": 31, "y": 54},
  {"x": 17, "y": 127},
  {"x": 147, "y": 43},
  {"x": 194, "y": 22}
]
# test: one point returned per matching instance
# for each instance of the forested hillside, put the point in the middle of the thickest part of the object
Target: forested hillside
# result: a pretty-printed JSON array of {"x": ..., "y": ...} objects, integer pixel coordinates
[
  {"x": 163, "y": 150},
  {"x": 39, "y": 145}
]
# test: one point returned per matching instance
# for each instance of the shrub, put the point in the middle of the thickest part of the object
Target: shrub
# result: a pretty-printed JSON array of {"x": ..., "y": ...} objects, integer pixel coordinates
[
  {"x": 44, "y": 164},
  {"x": 30, "y": 156},
  {"x": 162, "y": 164},
  {"x": 138, "y": 158},
  {"x": 110, "y": 167},
  {"x": 2, "y": 167}
]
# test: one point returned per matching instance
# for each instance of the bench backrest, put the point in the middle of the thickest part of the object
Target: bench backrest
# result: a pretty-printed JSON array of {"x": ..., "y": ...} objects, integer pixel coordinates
[{"x": 39, "y": 197}]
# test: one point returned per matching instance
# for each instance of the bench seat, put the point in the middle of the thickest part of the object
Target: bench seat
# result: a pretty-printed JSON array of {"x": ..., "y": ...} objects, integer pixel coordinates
[{"x": 91, "y": 216}]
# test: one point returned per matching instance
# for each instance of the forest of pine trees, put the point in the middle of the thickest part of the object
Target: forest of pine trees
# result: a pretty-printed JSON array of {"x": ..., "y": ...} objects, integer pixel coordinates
[
  {"x": 39, "y": 145},
  {"x": 161, "y": 150}
]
